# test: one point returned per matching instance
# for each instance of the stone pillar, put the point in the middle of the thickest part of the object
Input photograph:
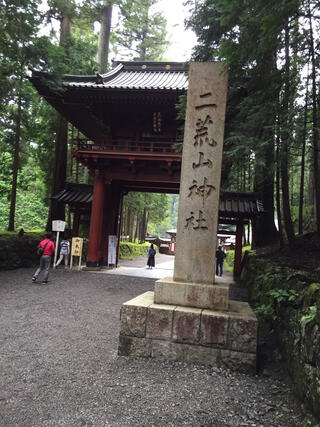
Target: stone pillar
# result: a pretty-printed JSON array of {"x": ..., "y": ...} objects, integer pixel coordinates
[
  {"x": 189, "y": 317},
  {"x": 95, "y": 221},
  {"x": 238, "y": 249},
  {"x": 194, "y": 270}
]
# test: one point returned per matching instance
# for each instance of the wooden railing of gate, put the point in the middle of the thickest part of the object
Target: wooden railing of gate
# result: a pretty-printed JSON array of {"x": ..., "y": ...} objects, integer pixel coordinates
[{"x": 127, "y": 145}]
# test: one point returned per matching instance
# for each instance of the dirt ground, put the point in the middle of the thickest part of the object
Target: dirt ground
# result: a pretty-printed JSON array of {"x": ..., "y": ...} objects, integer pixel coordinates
[{"x": 59, "y": 365}]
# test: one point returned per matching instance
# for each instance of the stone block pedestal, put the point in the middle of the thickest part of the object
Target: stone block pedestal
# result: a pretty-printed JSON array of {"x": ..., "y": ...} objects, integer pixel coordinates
[
  {"x": 190, "y": 318},
  {"x": 188, "y": 334},
  {"x": 188, "y": 294}
]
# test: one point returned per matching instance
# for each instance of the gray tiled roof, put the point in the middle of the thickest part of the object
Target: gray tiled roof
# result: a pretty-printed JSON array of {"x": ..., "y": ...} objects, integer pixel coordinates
[
  {"x": 245, "y": 205},
  {"x": 232, "y": 205},
  {"x": 75, "y": 194},
  {"x": 134, "y": 76}
]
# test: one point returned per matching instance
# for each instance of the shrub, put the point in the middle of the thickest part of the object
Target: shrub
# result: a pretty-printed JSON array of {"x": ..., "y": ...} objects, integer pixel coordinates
[{"x": 131, "y": 250}]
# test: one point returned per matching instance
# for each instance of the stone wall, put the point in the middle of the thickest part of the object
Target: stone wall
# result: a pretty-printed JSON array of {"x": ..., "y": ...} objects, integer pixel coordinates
[
  {"x": 18, "y": 252},
  {"x": 290, "y": 300}
]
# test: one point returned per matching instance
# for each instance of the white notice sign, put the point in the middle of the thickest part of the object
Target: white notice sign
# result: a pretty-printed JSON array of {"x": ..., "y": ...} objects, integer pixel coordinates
[
  {"x": 112, "y": 249},
  {"x": 58, "y": 225}
]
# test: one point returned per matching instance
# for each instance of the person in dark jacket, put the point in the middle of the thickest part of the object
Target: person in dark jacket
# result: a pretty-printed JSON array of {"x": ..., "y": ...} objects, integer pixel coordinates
[
  {"x": 151, "y": 254},
  {"x": 220, "y": 256},
  {"x": 48, "y": 248}
]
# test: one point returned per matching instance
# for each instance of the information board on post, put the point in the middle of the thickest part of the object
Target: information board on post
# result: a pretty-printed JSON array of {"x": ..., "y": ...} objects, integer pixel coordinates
[
  {"x": 112, "y": 250},
  {"x": 57, "y": 225},
  {"x": 76, "y": 249}
]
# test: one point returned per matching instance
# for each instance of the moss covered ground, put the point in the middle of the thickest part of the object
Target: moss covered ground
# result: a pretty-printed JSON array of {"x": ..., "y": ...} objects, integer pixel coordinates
[{"x": 286, "y": 296}]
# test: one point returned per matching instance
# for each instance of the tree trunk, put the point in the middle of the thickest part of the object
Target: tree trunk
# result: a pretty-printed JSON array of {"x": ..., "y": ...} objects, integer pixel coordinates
[
  {"x": 147, "y": 220},
  {"x": 123, "y": 223},
  {"x": 264, "y": 232},
  {"x": 57, "y": 209},
  {"x": 130, "y": 225},
  {"x": 15, "y": 163},
  {"x": 315, "y": 130},
  {"x": 278, "y": 197},
  {"x": 136, "y": 233},
  {"x": 143, "y": 50},
  {"x": 284, "y": 151},
  {"x": 303, "y": 155},
  {"x": 104, "y": 36},
  {"x": 143, "y": 226}
]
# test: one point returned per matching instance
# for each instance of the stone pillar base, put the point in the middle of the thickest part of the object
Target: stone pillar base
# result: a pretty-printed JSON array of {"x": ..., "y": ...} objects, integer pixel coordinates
[
  {"x": 178, "y": 333},
  {"x": 169, "y": 291}
]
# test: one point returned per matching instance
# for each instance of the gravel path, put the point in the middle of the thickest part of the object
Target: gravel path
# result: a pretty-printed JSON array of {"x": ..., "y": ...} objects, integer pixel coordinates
[{"x": 59, "y": 365}]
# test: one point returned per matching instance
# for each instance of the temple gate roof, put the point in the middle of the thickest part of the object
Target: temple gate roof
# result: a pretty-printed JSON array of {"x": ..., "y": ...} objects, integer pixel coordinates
[
  {"x": 232, "y": 204},
  {"x": 168, "y": 76}
]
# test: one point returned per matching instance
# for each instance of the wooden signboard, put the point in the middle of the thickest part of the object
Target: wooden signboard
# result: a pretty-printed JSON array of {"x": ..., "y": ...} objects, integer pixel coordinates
[{"x": 76, "y": 250}]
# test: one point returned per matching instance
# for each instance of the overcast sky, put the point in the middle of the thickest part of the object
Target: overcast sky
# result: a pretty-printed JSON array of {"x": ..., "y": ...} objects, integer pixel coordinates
[{"x": 181, "y": 40}]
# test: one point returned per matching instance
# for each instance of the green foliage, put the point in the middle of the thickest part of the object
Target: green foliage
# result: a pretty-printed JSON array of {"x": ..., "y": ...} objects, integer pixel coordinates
[
  {"x": 31, "y": 212},
  {"x": 308, "y": 218},
  {"x": 291, "y": 307},
  {"x": 59, "y": 8},
  {"x": 311, "y": 293},
  {"x": 5, "y": 164},
  {"x": 264, "y": 45},
  {"x": 181, "y": 108},
  {"x": 265, "y": 312},
  {"x": 309, "y": 423},
  {"x": 268, "y": 312},
  {"x": 141, "y": 33},
  {"x": 156, "y": 207},
  {"x": 131, "y": 250},
  {"x": 18, "y": 252},
  {"x": 229, "y": 261},
  {"x": 81, "y": 48},
  {"x": 310, "y": 316},
  {"x": 274, "y": 299},
  {"x": 282, "y": 295}
]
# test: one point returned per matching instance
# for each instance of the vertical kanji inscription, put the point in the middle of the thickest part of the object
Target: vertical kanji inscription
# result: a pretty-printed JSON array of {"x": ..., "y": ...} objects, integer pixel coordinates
[{"x": 200, "y": 174}]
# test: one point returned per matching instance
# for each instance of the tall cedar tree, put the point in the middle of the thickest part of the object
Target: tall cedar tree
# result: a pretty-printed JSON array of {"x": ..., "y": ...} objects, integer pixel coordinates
[
  {"x": 19, "y": 48},
  {"x": 247, "y": 35},
  {"x": 64, "y": 11},
  {"x": 100, "y": 11},
  {"x": 104, "y": 36},
  {"x": 141, "y": 33}
]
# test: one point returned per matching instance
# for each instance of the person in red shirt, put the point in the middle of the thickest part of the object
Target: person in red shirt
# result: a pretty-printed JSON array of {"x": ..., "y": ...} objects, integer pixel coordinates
[{"x": 45, "y": 259}]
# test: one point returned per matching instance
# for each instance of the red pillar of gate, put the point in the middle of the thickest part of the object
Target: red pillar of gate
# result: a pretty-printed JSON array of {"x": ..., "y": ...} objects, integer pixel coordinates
[
  {"x": 112, "y": 202},
  {"x": 238, "y": 249},
  {"x": 119, "y": 221},
  {"x": 95, "y": 220},
  {"x": 103, "y": 250}
]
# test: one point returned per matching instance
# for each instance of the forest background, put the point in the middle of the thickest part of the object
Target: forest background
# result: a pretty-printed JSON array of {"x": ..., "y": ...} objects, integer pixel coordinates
[{"x": 272, "y": 129}]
